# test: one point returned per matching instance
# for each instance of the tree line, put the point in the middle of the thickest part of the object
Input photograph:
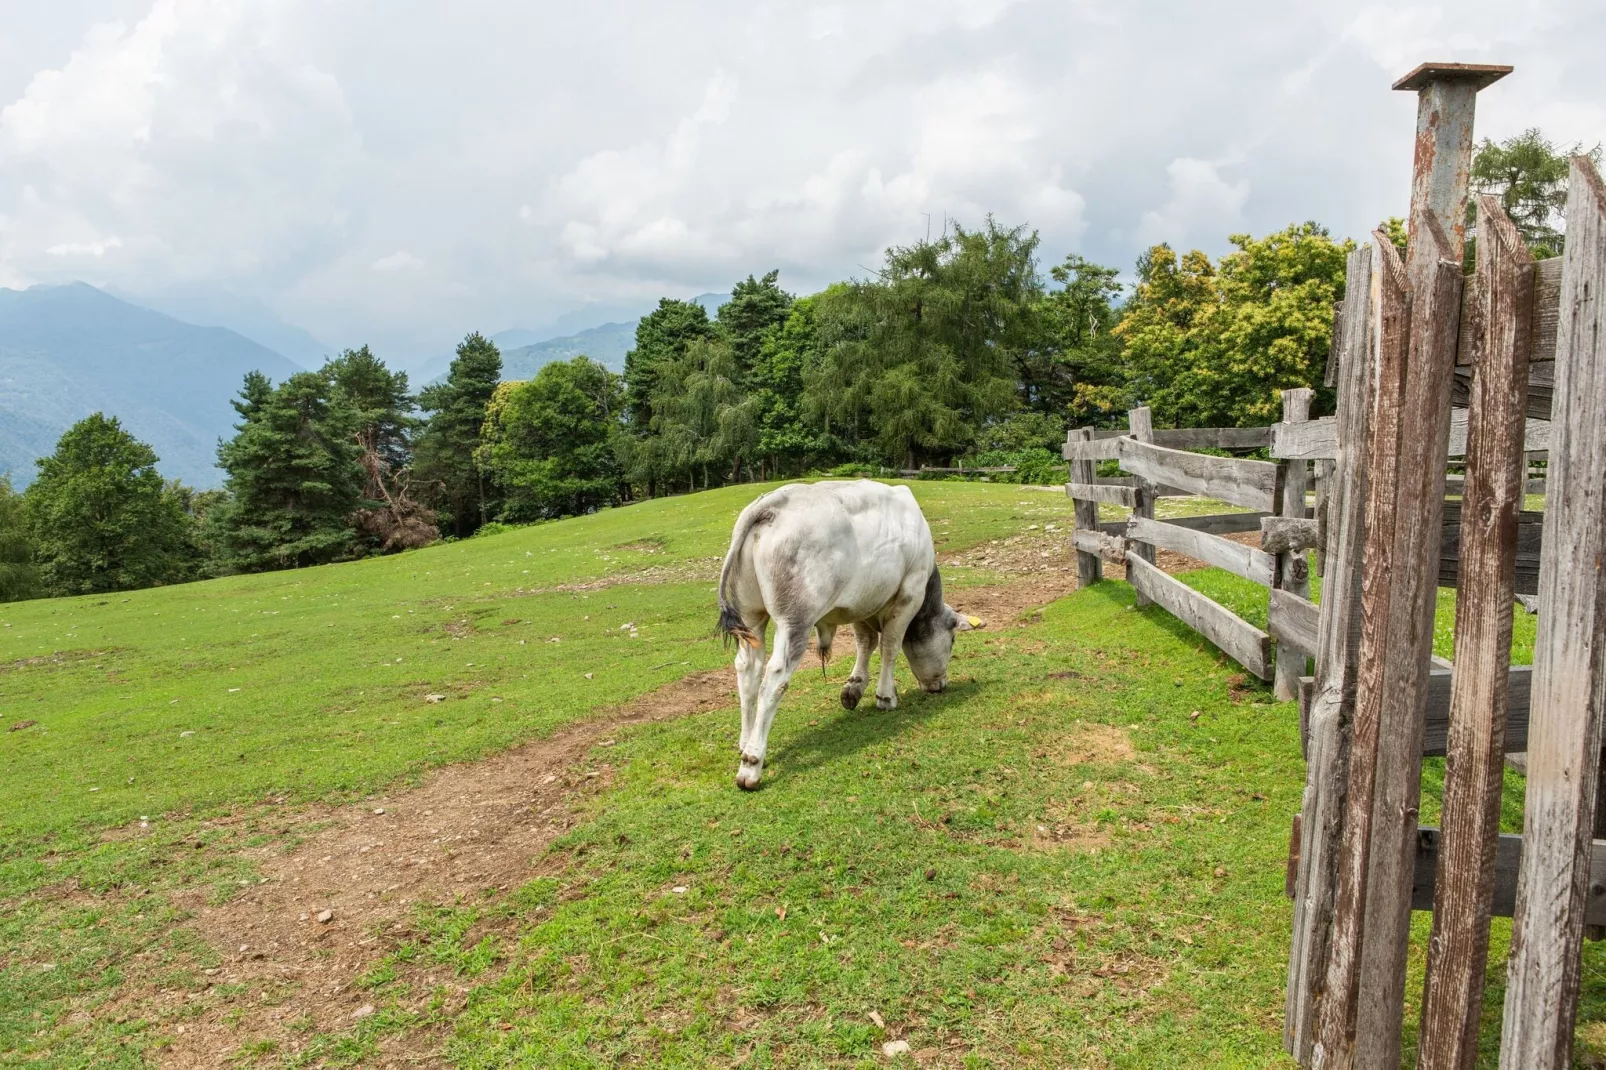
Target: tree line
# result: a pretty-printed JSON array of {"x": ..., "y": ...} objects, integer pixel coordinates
[{"x": 959, "y": 349}]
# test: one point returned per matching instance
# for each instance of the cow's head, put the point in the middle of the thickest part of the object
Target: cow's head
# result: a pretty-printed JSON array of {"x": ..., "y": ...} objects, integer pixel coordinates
[
  {"x": 929, "y": 651},
  {"x": 929, "y": 642}
]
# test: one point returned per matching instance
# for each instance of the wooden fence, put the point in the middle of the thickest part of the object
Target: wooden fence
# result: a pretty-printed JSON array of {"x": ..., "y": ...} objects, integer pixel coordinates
[{"x": 1485, "y": 373}]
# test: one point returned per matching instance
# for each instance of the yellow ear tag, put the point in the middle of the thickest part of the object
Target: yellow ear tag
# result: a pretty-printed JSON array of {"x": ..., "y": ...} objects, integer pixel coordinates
[{"x": 975, "y": 622}]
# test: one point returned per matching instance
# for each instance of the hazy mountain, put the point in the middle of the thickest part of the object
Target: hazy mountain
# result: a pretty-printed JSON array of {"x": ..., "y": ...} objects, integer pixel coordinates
[
  {"x": 524, "y": 351},
  {"x": 68, "y": 351},
  {"x": 245, "y": 316}
]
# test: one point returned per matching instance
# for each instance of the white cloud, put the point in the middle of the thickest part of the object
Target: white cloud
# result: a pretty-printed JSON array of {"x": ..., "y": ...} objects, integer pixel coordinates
[
  {"x": 400, "y": 174},
  {"x": 1202, "y": 205},
  {"x": 400, "y": 260}
]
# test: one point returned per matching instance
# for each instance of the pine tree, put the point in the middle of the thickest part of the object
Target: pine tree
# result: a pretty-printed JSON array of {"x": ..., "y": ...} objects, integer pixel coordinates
[
  {"x": 294, "y": 476},
  {"x": 101, "y": 518},
  {"x": 382, "y": 409},
  {"x": 661, "y": 336},
  {"x": 444, "y": 452}
]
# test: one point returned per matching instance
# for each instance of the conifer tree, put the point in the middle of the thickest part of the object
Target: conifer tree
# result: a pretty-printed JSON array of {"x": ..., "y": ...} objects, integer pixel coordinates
[
  {"x": 294, "y": 476},
  {"x": 444, "y": 456}
]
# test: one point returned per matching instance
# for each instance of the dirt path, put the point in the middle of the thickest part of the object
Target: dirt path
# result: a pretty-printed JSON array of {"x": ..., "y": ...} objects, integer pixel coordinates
[{"x": 328, "y": 910}]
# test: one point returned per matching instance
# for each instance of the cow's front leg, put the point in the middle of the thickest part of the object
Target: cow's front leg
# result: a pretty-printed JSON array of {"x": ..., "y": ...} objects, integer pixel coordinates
[
  {"x": 892, "y": 629},
  {"x": 749, "y": 678},
  {"x": 790, "y": 643},
  {"x": 864, "y": 638}
]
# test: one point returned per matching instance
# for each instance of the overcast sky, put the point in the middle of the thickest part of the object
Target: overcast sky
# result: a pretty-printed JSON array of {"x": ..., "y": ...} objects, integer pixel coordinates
[{"x": 403, "y": 171}]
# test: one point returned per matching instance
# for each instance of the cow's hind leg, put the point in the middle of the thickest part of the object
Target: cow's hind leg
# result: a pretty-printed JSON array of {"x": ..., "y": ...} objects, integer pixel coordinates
[
  {"x": 749, "y": 678},
  {"x": 864, "y": 639},
  {"x": 791, "y": 640}
]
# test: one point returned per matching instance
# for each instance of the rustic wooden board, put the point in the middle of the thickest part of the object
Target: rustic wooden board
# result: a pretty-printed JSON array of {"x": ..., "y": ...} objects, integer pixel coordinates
[
  {"x": 1235, "y": 557},
  {"x": 1529, "y": 540},
  {"x": 1331, "y": 704},
  {"x": 1240, "y": 640},
  {"x": 1107, "y": 547},
  {"x": 1229, "y": 479},
  {"x": 1409, "y": 594},
  {"x": 1436, "y": 725},
  {"x": 1286, "y": 534},
  {"x": 1220, "y": 438},
  {"x": 1292, "y": 620},
  {"x": 1565, "y": 722},
  {"x": 1458, "y": 952},
  {"x": 1505, "y": 866},
  {"x": 1215, "y": 523},
  {"x": 1319, "y": 438},
  {"x": 1089, "y": 567},
  {"x": 1103, "y": 492},
  {"x": 1141, "y": 423},
  {"x": 1090, "y": 449},
  {"x": 1543, "y": 316},
  {"x": 1292, "y": 571}
]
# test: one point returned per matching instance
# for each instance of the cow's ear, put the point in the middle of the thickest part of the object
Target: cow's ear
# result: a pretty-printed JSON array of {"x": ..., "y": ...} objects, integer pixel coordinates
[{"x": 965, "y": 624}]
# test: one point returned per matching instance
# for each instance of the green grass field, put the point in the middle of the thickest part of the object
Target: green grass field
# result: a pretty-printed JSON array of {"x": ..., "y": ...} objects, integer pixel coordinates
[{"x": 1074, "y": 857}]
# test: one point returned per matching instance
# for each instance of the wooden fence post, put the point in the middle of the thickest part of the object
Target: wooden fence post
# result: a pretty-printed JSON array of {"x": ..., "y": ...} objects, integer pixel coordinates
[
  {"x": 1141, "y": 424},
  {"x": 1463, "y": 890},
  {"x": 1363, "y": 1010},
  {"x": 1293, "y": 573},
  {"x": 1564, "y": 733},
  {"x": 1089, "y": 567},
  {"x": 1338, "y": 639}
]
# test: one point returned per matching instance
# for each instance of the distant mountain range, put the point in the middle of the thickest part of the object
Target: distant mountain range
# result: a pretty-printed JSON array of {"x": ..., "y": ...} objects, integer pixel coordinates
[
  {"x": 525, "y": 351},
  {"x": 68, "y": 351}
]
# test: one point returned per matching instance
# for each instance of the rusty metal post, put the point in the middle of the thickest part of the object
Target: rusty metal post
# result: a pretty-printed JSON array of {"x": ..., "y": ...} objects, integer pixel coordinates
[{"x": 1446, "y": 98}]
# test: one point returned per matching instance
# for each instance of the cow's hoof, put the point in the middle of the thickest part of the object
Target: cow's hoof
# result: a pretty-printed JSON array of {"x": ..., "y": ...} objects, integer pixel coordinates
[
  {"x": 750, "y": 772},
  {"x": 886, "y": 702},
  {"x": 852, "y": 695}
]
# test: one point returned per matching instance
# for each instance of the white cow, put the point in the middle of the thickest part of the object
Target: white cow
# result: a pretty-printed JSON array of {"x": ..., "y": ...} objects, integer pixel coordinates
[{"x": 817, "y": 556}]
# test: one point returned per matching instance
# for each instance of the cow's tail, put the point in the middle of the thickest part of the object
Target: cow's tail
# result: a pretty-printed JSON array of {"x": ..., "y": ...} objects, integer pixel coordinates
[{"x": 731, "y": 625}]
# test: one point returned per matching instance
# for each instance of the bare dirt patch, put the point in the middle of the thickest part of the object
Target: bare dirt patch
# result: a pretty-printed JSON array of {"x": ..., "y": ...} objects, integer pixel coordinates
[{"x": 469, "y": 832}]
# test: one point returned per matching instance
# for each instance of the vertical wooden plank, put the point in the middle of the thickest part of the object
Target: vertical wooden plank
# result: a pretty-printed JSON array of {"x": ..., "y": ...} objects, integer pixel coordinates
[
  {"x": 1322, "y": 476},
  {"x": 1463, "y": 889},
  {"x": 1338, "y": 640},
  {"x": 1292, "y": 570},
  {"x": 1141, "y": 424},
  {"x": 1089, "y": 568},
  {"x": 1564, "y": 732},
  {"x": 1436, "y": 277},
  {"x": 1364, "y": 1008}
]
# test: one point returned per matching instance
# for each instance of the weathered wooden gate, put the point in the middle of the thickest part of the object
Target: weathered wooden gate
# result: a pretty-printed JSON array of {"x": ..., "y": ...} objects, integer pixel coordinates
[{"x": 1416, "y": 338}]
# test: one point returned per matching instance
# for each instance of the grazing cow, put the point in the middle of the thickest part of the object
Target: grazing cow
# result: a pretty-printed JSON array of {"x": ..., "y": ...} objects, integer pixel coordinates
[{"x": 818, "y": 556}]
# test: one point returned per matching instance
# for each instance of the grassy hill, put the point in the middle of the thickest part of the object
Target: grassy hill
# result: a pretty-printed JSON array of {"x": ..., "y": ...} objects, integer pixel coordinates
[{"x": 1073, "y": 857}]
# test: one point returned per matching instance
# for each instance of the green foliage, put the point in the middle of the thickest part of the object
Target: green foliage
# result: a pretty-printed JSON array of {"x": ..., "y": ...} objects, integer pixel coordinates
[
  {"x": 444, "y": 455},
  {"x": 756, "y": 309},
  {"x": 785, "y": 439},
  {"x": 1528, "y": 172},
  {"x": 549, "y": 442},
  {"x": 380, "y": 404},
  {"x": 661, "y": 336},
  {"x": 19, "y": 573},
  {"x": 294, "y": 476},
  {"x": 1078, "y": 367},
  {"x": 101, "y": 518},
  {"x": 1216, "y": 344},
  {"x": 919, "y": 357}
]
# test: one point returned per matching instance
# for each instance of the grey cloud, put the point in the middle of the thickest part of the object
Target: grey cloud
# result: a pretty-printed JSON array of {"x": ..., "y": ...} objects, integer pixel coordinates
[{"x": 399, "y": 174}]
